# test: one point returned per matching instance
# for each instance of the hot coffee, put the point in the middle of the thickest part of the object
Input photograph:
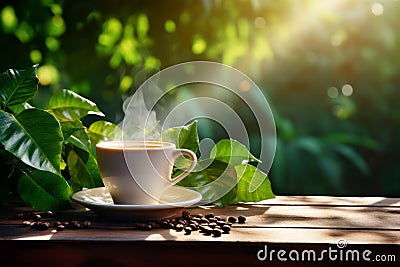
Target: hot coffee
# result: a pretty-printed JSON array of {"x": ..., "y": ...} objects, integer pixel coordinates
[{"x": 138, "y": 172}]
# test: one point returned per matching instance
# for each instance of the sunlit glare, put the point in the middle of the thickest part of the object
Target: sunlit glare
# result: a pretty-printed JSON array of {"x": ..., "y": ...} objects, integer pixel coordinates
[
  {"x": 314, "y": 14},
  {"x": 48, "y": 74},
  {"x": 332, "y": 92},
  {"x": 259, "y": 22},
  {"x": 377, "y": 9},
  {"x": 347, "y": 90}
]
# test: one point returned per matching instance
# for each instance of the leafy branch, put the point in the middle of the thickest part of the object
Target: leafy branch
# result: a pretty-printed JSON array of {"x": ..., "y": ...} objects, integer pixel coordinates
[
  {"x": 50, "y": 154},
  {"x": 53, "y": 144}
]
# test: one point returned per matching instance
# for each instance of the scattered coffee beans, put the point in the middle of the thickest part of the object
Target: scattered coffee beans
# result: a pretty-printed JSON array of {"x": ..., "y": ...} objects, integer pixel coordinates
[
  {"x": 208, "y": 224},
  {"x": 37, "y": 221}
]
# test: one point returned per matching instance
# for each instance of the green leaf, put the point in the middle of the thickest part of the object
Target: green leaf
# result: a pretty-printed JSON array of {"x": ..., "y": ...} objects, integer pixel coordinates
[
  {"x": 213, "y": 178},
  {"x": 81, "y": 140},
  {"x": 44, "y": 191},
  {"x": 69, "y": 106},
  {"x": 16, "y": 109},
  {"x": 183, "y": 137},
  {"x": 70, "y": 127},
  {"x": 104, "y": 130},
  {"x": 253, "y": 185},
  {"x": 34, "y": 136},
  {"x": 82, "y": 167},
  {"x": 18, "y": 86},
  {"x": 232, "y": 152}
]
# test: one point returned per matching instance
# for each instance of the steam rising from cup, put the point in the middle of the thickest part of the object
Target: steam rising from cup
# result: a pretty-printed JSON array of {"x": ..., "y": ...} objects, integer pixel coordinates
[{"x": 141, "y": 122}]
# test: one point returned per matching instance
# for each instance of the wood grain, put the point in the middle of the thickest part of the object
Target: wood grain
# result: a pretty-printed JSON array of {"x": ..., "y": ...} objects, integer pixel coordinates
[
  {"x": 286, "y": 222},
  {"x": 299, "y": 219}
]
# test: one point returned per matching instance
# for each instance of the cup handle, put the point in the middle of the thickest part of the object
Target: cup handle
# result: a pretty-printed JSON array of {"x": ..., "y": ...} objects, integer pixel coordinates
[{"x": 192, "y": 156}]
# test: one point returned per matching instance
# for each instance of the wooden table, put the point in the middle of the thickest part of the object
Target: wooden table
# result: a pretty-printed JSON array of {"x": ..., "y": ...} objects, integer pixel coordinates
[{"x": 297, "y": 225}]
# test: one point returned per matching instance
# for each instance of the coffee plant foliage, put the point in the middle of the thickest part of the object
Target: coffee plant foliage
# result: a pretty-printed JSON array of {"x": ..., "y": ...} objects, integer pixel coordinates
[{"x": 49, "y": 154}]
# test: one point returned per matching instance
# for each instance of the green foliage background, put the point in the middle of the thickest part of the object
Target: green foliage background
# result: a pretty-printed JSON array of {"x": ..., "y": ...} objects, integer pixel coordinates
[{"x": 330, "y": 70}]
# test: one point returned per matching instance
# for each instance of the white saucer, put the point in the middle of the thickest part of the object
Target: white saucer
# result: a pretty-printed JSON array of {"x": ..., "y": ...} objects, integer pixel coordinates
[{"x": 172, "y": 201}]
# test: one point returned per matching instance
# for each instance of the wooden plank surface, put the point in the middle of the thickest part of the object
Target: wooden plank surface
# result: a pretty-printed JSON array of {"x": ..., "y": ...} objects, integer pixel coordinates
[
  {"x": 238, "y": 234},
  {"x": 284, "y": 223},
  {"x": 333, "y": 201},
  {"x": 297, "y": 220}
]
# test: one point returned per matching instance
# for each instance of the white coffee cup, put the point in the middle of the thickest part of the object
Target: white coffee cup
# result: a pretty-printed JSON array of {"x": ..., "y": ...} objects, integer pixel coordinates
[{"x": 137, "y": 172}]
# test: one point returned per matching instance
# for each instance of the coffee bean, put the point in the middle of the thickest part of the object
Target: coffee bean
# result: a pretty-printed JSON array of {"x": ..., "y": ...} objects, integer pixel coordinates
[
  {"x": 212, "y": 220},
  {"x": 204, "y": 220},
  {"x": 148, "y": 227},
  {"x": 26, "y": 223},
  {"x": 241, "y": 219},
  {"x": 194, "y": 222},
  {"x": 210, "y": 215},
  {"x": 57, "y": 223},
  {"x": 181, "y": 221},
  {"x": 199, "y": 216},
  {"x": 208, "y": 231},
  {"x": 37, "y": 217},
  {"x": 171, "y": 225},
  {"x": 160, "y": 222},
  {"x": 86, "y": 224},
  {"x": 226, "y": 229},
  {"x": 179, "y": 227},
  {"x": 164, "y": 225},
  {"x": 185, "y": 214},
  {"x": 220, "y": 223},
  {"x": 41, "y": 226},
  {"x": 232, "y": 219},
  {"x": 195, "y": 219},
  {"x": 60, "y": 227},
  {"x": 75, "y": 224},
  {"x": 194, "y": 226},
  {"x": 202, "y": 227},
  {"x": 212, "y": 225},
  {"x": 188, "y": 230},
  {"x": 205, "y": 229},
  {"x": 216, "y": 233}
]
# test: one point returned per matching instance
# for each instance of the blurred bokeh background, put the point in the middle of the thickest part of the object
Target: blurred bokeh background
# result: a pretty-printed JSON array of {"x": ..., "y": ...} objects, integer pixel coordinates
[{"x": 330, "y": 70}]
